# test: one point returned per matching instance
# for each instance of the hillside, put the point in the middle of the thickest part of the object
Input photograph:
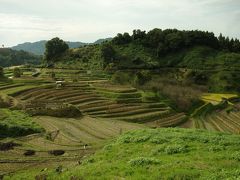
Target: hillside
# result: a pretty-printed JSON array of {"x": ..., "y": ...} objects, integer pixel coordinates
[
  {"x": 38, "y": 47},
  {"x": 162, "y": 48},
  {"x": 157, "y": 154},
  {"x": 9, "y": 57},
  {"x": 202, "y": 58}
]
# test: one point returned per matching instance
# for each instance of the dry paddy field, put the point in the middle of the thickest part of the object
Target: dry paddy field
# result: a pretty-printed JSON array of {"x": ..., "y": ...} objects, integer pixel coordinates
[{"x": 77, "y": 138}]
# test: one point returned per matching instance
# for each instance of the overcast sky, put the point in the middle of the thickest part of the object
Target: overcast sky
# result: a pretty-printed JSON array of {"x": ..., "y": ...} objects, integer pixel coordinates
[{"x": 88, "y": 20}]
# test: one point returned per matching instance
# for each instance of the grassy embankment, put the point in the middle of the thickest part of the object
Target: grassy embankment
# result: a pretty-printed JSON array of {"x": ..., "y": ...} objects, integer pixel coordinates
[{"x": 158, "y": 154}]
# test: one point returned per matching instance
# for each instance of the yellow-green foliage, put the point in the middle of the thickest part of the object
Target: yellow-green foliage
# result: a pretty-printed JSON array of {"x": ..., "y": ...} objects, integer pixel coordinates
[{"x": 217, "y": 98}]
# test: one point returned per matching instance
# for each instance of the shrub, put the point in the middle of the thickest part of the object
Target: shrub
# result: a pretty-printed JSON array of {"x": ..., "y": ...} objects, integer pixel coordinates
[
  {"x": 143, "y": 161},
  {"x": 16, "y": 72},
  {"x": 4, "y": 102},
  {"x": 89, "y": 160},
  {"x": 139, "y": 139},
  {"x": 7, "y": 146},
  {"x": 133, "y": 139},
  {"x": 235, "y": 156},
  {"x": 216, "y": 148},
  {"x": 56, "y": 152},
  {"x": 69, "y": 111},
  {"x": 159, "y": 140},
  {"x": 111, "y": 67},
  {"x": 158, "y": 150},
  {"x": 174, "y": 149},
  {"x": 121, "y": 78},
  {"x": 142, "y": 77},
  {"x": 29, "y": 153}
]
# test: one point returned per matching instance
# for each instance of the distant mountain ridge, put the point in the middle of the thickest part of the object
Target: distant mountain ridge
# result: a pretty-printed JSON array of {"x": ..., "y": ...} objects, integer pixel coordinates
[{"x": 38, "y": 47}]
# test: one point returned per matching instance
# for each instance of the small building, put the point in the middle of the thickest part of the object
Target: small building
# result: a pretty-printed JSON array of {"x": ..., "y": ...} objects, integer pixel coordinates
[{"x": 59, "y": 84}]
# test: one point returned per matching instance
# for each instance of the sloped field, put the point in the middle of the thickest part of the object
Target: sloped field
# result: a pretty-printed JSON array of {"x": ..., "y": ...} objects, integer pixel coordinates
[
  {"x": 115, "y": 102},
  {"x": 224, "y": 119},
  {"x": 169, "y": 153},
  {"x": 75, "y": 137}
]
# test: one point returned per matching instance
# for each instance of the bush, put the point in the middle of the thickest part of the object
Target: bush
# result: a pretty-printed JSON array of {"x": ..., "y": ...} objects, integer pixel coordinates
[
  {"x": 29, "y": 153},
  {"x": 175, "y": 149},
  {"x": 121, "y": 78},
  {"x": 56, "y": 152},
  {"x": 16, "y": 72},
  {"x": 69, "y": 111},
  {"x": 142, "y": 77},
  {"x": 216, "y": 148},
  {"x": 143, "y": 161},
  {"x": 159, "y": 140},
  {"x": 235, "y": 156},
  {"x": 4, "y": 102},
  {"x": 7, "y": 146}
]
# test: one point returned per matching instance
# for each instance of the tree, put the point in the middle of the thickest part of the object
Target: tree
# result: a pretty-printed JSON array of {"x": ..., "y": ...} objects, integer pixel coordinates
[
  {"x": 236, "y": 45},
  {"x": 16, "y": 72},
  {"x": 54, "y": 48},
  {"x": 174, "y": 41},
  {"x": 142, "y": 77},
  {"x": 122, "y": 39},
  {"x": 138, "y": 34},
  {"x": 154, "y": 37},
  {"x": 1, "y": 72},
  {"x": 108, "y": 53}
]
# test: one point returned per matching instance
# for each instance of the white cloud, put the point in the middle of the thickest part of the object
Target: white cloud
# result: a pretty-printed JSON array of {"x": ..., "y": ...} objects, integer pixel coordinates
[{"x": 87, "y": 20}]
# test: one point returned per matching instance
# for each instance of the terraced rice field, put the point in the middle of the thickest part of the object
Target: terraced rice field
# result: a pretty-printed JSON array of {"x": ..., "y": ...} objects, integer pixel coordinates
[
  {"x": 70, "y": 135},
  {"x": 76, "y": 75},
  {"x": 108, "y": 110},
  {"x": 219, "y": 120},
  {"x": 91, "y": 96},
  {"x": 125, "y": 105},
  {"x": 225, "y": 122}
]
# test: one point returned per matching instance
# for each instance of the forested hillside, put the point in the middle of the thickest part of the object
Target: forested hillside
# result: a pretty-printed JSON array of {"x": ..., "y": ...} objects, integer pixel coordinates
[
  {"x": 204, "y": 58},
  {"x": 160, "y": 48},
  {"x": 9, "y": 57}
]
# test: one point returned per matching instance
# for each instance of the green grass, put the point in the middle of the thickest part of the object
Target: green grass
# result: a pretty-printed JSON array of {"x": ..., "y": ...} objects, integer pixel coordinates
[
  {"x": 158, "y": 154},
  {"x": 16, "y": 123}
]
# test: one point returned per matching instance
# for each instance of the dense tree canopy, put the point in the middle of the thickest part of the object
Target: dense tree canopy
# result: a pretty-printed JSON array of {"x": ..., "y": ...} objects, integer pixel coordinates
[
  {"x": 9, "y": 57},
  {"x": 166, "y": 41},
  {"x": 54, "y": 48},
  {"x": 107, "y": 53}
]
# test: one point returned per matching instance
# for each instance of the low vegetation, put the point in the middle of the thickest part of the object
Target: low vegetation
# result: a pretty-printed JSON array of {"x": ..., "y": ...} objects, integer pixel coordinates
[
  {"x": 159, "y": 154},
  {"x": 16, "y": 123}
]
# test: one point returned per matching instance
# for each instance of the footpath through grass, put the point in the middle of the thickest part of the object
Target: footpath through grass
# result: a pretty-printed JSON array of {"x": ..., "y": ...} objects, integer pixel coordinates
[{"x": 158, "y": 154}]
